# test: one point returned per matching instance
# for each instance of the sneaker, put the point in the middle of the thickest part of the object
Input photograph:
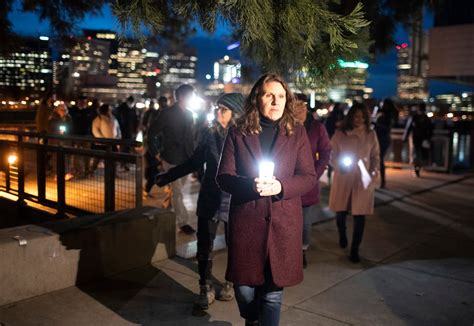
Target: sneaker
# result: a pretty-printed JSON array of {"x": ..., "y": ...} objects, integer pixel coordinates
[
  {"x": 251, "y": 322},
  {"x": 207, "y": 296},
  {"x": 187, "y": 229},
  {"x": 227, "y": 292},
  {"x": 305, "y": 263}
]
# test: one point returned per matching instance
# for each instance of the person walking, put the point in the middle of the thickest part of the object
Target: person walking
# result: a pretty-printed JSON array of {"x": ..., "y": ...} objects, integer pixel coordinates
[
  {"x": 213, "y": 204},
  {"x": 355, "y": 160},
  {"x": 420, "y": 128},
  {"x": 127, "y": 117},
  {"x": 332, "y": 123},
  {"x": 170, "y": 139},
  {"x": 265, "y": 217},
  {"x": 321, "y": 151},
  {"x": 387, "y": 117},
  {"x": 82, "y": 116},
  {"x": 105, "y": 125}
]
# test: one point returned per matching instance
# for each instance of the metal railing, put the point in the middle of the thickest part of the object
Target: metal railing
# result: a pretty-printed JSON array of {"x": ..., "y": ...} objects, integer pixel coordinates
[{"x": 44, "y": 165}]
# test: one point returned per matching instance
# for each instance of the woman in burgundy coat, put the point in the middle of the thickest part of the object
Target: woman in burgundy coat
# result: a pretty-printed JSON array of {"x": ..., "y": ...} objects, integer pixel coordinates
[{"x": 265, "y": 219}]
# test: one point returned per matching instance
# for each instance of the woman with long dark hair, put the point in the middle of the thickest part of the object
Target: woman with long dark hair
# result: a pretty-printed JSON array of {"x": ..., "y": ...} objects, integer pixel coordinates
[
  {"x": 355, "y": 160},
  {"x": 266, "y": 166}
]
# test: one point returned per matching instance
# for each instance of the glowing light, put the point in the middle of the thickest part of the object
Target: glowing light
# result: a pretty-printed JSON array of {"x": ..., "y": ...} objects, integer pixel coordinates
[
  {"x": 265, "y": 169},
  {"x": 226, "y": 58},
  {"x": 140, "y": 105},
  {"x": 312, "y": 100},
  {"x": 44, "y": 38},
  {"x": 346, "y": 161},
  {"x": 430, "y": 114},
  {"x": 449, "y": 115},
  {"x": 89, "y": 103},
  {"x": 210, "y": 117},
  {"x": 195, "y": 103},
  {"x": 352, "y": 64},
  {"x": 208, "y": 76},
  {"x": 233, "y": 46},
  {"x": 76, "y": 75},
  {"x": 73, "y": 102},
  {"x": 12, "y": 158},
  {"x": 464, "y": 117},
  {"x": 62, "y": 129},
  {"x": 157, "y": 84},
  {"x": 139, "y": 137}
]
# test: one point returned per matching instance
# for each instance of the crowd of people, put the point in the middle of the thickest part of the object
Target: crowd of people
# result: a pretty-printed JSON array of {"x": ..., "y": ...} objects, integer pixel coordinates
[{"x": 262, "y": 158}]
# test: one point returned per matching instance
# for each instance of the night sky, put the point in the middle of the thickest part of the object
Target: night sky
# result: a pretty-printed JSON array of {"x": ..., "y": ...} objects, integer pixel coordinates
[{"x": 382, "y": 74}]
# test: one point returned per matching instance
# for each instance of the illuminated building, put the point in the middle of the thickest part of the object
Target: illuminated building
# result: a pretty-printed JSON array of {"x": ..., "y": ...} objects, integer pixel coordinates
[
  {"x": 226, "y": 77},
  {"x": 177, "y": 68},
  {"x": 27, "y": 71},
  {"x": 412, "y": 71},
  {"x": 451, "y": 42}
]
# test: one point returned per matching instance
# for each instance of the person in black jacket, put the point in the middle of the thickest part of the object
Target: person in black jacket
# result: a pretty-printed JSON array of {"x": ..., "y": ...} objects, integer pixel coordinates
[
  {"x": 213, "y": 204},
  {"x": 420, "y": 128},
  {"x": 387, "y": 117}
]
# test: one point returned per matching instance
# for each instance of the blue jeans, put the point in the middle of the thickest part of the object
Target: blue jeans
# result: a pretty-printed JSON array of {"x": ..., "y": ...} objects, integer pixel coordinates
[{"x": 262, "y": 303}]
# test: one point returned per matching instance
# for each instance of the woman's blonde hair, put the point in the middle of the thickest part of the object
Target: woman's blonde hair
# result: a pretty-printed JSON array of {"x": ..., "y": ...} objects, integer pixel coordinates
[{"x": 249, "y": 123}]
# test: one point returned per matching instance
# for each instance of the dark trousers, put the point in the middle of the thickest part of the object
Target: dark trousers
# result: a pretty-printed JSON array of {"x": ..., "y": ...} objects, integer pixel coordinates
[
  {"x": 358, "y": 232},
  {"x": 383, "y": 150},
  {"x": 206, "y": 234},
  {"x": 151, "y": 170}
]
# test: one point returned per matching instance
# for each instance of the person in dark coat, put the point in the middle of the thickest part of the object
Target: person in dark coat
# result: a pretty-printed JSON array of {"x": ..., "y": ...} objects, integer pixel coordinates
[
  {"x": 332, "y": 123},
  {"x": 265, "y": 217},
  {"x": 213, "y": 204},
  {"x": 171, "y": 140},
  {"x": 421, "y": 130},
  {"x": 321, "y": 152},
  {"x": 387, "y": 117}
]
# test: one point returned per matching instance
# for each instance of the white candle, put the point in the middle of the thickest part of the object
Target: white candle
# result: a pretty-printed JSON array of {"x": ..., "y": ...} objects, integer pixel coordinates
[{"x": 265, "y": 170}]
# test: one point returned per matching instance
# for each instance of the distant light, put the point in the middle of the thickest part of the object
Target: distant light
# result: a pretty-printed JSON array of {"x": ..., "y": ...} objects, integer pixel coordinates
[
  {"x": 76, "y": 75},
  {"x": 56, "y": 103},
  {"x": 208, "y": 76},
  {"x": 89, "y": 38},
  {"x": 195, "y": 103},
  {"x": 352, "y": 64},
  {"x": 12, "y": 158},
  {"x": 226, "y": 58},
  {"x": 44, "y": 38},
  {"x": 143, "y": 50},
  {"x": 216, "y": 70},
  {"x": 89, "y": 103},
  {"x": 430, "y": 114},
  {"x": 73, "y": 102},
  {"x": 464, "y": 95},
  {"x": 157, "y": 84},
  {"x": 23, "y": 102},
  {"x": 449, "y": 115},
  {"x": 312, "y": 100},
  {"x": 233, "y": 46},
  {"x": 324, "y": 111},
  {"x": 210, "y": 117},
  {"x": 62, "y": 129},
  {"x": 404, "y": 45},
  {"x": 157, "y": 70},
  {"x": 464, "y": 117},
  {"x": 140, "y": 105}
]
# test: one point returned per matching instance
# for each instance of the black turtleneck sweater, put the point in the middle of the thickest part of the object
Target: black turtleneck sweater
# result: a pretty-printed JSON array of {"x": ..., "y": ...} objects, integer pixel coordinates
[{"x": 268, "y": 135}]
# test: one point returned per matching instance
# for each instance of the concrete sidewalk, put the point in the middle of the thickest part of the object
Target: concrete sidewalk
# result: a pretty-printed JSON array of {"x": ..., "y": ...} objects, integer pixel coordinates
[{"x": 417, "y": 269}]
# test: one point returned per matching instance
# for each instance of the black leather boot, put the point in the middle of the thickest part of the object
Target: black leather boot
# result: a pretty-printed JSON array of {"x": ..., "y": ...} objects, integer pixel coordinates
[
  {"x": 341, "y": 227},
  {"x": 359, "y": 224}
]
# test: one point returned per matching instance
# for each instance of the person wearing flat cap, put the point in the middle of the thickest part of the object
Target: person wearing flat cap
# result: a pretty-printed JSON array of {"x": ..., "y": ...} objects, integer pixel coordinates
[{"x": 213, "y": 204}]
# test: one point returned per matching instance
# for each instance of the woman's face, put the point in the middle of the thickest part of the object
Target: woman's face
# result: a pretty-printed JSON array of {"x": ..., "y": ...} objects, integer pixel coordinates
[
  {"x": 272, "y": 100},
  {"x": 224, "y": 114},
  {"x": 358, "y": 120}
]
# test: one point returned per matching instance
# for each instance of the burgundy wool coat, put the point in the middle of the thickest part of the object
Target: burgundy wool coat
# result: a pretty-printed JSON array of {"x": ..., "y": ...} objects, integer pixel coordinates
[{"x": 267, "y": 228}]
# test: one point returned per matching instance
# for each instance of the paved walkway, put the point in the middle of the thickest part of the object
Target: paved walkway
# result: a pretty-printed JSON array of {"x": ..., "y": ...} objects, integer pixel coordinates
[{"x": 417, "y": 269}]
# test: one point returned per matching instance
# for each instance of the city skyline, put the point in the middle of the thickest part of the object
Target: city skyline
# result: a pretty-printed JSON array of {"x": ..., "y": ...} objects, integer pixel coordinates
[{"x": 210, "y": 48}]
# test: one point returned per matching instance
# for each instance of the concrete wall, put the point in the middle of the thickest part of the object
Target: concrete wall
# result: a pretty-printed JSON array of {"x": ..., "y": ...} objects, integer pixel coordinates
[{"x": 61, "y": 254}]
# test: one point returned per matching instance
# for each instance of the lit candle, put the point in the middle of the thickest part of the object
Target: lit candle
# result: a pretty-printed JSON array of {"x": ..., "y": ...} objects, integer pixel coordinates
[{"x": 265, "y": 170}]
